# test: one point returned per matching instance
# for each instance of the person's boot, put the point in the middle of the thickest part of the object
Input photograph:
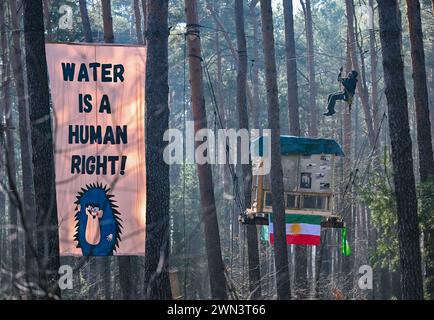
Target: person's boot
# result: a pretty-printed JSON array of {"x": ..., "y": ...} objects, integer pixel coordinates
[{"x": 330, "y": 113}]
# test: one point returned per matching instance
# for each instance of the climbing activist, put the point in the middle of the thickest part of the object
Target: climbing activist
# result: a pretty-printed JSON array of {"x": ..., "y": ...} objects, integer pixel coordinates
[{"x": 349, "y": 83}]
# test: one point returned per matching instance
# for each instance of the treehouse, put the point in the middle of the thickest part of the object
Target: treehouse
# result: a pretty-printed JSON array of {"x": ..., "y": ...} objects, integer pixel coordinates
[{"x": 308, "y": 178}]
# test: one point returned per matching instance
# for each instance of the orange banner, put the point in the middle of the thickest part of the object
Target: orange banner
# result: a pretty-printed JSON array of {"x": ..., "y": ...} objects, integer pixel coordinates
[{"x": 98, "y": 96}]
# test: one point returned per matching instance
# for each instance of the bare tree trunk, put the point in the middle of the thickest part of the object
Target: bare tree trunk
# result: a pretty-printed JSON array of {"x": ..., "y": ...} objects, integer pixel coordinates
[
  {"x": 2, "y": 197},
  {"x": 145, "y": 12},
  {"x": 4, "y": 279},
  {"x": 209, "y": 214},
  {"x": 348, "y": 133},
  {"x": 432, "y": 85},
  {"x": 426, "y": 160},
  {"x": 47, "y": 20},
  {"x": 374, "y": 73},
  {"x": 87, "y": 31},
  {"x": 9, "y": 148},
  {"x": 347, "y": 262},
  {"x": 321, "y": 268},
  {"x": 280, "y": 248},
  {"x": 92, "y": 279},
  {"x": 138, "y": 21},
  {"x": 156, "y": 280},
  {"x": 396, "y": 289},
  {"x": 127, "y": 277},
  {"x": 291, "y": 69},
  {"x": 243, "y": 119},
  {"x": 424, "y": 141},
  {"x": 405, "y": 190},
  {"x": 104, "y": 270},
  {"x": 107, "y": 21},
  {"x": 28, "y": 216},
  {"x": 3, "y": 217},
  {"x": 127, "y": 273},
  {"x": 313, "y": 119},
  {"x": 255, "y": 70},
  {"x": 42, "y": 146},
  {"x": 300, "y": 270},
  {"x": 220, "y": 86},
  {"x": 385, "y": 284},
  {"x": 361, "y": 88}
]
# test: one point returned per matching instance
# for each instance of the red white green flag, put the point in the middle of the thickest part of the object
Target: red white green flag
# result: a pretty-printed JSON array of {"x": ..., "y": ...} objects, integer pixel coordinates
[{"x": 300, "y": 229}]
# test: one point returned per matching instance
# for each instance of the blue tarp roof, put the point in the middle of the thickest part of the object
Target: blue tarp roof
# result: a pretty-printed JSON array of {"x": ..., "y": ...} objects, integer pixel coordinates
[{"x": 301, "y": 145}]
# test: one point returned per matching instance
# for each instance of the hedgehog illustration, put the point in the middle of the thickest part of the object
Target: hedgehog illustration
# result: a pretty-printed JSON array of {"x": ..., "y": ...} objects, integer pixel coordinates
[{"x": 98, "y": 227}]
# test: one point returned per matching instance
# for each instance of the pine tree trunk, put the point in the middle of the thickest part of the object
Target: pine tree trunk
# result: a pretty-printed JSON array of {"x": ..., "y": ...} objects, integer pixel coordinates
[
  {"x": 145, "y": 10},
  {"x": 347, "y": 262},
  {"x": 3, "y": 250},
  {"x": 319, "y": 256},
  {"x": 2, "y": 197},
  {"x": 220, "y": 85},
  {"x": 104, "y": 270},
  {"x": 87, "y": 31},
  {"x": 424, "y": 140},
  {"x": 291, "y": 69},
  {"x": 156, "y": 279},
  {"x": 243, "y": 120},
  {"x": 209, "y": 214},
  {"x": 254, "y": 69},
  {"x": 127, "y": 273},
  {"x": 107, "y": 21},
  {"x": 300, "y": 270},
  {"x": 347, "y": 134},
  {"x": 9, "y": 148},
  {"x": 127, "y": 277},
  {"x": 361, "y": 88},
  {"x": 374, "y": 73},
  {"x": 47, "y": 19},
  {"x": 2, "y": 194},
  {"x": 138, "y": 21},
  {"x": 385, "y": 284},
  {"x": 395, "y": 280},
  {"x": 28, "y": 214},
  {"x": 42, "y": 146},
  {"x": 92, "y": 280},
  {"x": 432, "y": 86},
  {"x": 405, "y": 190},
  {"x": 280, "y": 248},
  {"x": 313, "y": 117}
]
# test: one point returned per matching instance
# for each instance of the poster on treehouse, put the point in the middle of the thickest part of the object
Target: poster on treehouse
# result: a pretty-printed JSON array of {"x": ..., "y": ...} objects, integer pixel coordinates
[{"x": 98, "y": 96}]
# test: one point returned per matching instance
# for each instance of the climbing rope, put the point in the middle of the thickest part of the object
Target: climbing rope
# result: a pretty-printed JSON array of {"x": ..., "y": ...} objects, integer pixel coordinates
[
  {"x": 352, "y": 178},
  {"x": 183, "y": 172},
  {"x": 236, "y": 190}
]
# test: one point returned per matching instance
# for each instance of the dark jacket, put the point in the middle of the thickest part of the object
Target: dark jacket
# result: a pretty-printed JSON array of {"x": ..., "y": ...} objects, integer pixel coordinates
[{"x": 350, "y": 84}]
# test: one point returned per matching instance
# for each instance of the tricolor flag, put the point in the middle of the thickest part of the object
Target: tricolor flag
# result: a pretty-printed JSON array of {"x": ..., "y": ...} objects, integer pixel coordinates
[{"x": 300, "y": 229}]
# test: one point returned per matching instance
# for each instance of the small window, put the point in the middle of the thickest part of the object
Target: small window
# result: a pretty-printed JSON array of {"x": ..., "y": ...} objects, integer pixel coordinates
[
  {"x": 267, "y": 199},
  {"x": 291, "y": 201},
  {"x": 315, "y": 202}
]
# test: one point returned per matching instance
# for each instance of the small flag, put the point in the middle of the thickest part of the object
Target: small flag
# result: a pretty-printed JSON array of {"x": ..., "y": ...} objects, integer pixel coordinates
[
  {"x": 265, "y": 236},
  {"x": 300, "y": 229},
  {"x": 346, "y": 251}
]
